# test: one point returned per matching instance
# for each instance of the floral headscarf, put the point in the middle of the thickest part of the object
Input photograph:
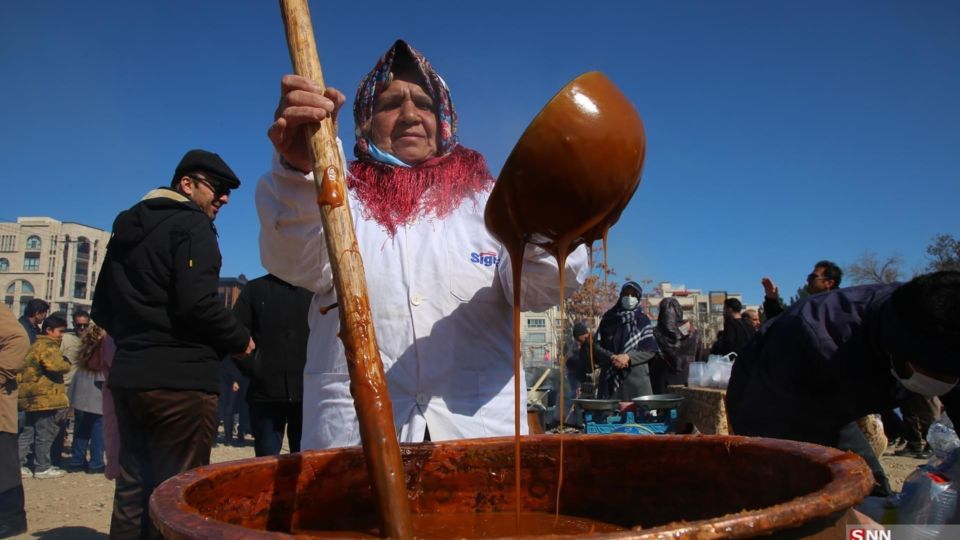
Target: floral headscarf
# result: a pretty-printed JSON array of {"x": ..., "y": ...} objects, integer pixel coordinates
[
  {"x": 380, "y": 78},
  {"x": 396, "y": 195}
]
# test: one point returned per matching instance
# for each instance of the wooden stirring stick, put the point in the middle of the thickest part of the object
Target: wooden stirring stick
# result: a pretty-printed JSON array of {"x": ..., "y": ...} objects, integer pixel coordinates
[{"x": 368, "y": 383}]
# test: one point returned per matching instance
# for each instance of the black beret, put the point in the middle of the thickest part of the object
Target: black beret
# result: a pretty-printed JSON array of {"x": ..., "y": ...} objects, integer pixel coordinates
[{"x": 209, "y": 163}]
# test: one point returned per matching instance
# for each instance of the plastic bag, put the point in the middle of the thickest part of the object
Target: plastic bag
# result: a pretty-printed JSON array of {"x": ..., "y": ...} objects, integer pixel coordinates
[
  {"x": 927, "y": 499},
  {"x": 695, "y": 378},
  {"x": 929, "y": 495},
  {"x": 716, "y": 374},
  {"x": 943, "y": 440}
]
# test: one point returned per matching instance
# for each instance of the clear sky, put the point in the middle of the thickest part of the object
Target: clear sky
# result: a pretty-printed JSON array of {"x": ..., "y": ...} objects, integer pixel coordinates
[{"x": 779, "y": 133}]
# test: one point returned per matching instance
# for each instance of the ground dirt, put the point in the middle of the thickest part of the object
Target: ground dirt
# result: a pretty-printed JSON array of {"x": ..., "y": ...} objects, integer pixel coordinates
[{"x": 77, "y": 506}]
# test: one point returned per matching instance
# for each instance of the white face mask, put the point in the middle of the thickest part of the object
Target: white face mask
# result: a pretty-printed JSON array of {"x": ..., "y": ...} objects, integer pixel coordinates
[
  {"x": 924, "y": 384},
  {"x": 629, "y": 302}
]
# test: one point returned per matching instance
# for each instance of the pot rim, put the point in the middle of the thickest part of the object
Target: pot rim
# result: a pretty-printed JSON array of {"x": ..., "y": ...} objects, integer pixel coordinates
[{"x": 851, "y": 481}]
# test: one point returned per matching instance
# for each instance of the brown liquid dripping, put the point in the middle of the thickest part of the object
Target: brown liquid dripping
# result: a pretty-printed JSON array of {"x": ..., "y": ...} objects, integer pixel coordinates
[
  {"x": 606, "y": 269},
  {"x": 564, "y": 184},
  {"x": 516, "y": 266},
  {"x": 561, "y": 263},
  {"x": 330, "y": 189},
  {"x": 486, "y": 525}
]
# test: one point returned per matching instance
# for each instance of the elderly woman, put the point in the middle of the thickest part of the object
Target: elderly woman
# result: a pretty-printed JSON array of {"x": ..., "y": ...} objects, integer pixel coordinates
[
  {"x": 624, "y": 347},
  {"x": 679, "y": 342},
  {"x": 439, "y": 285}
]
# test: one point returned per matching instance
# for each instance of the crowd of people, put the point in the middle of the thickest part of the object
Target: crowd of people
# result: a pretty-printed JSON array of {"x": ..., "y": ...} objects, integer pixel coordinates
[
  {"x": 144, "y": 378},
  {"x": 813, "y": 371}
]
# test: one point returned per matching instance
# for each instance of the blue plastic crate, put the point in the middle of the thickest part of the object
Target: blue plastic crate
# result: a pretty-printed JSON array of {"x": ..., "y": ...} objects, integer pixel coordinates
[{"x": 626, "y": 423}]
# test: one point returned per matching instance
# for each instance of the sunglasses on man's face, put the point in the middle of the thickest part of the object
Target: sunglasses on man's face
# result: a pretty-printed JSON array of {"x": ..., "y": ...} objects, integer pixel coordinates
[
  {"x": 814, "y": 277},
  {"x": 82, "y": 326},
  {"x": 217, "y": 189}
]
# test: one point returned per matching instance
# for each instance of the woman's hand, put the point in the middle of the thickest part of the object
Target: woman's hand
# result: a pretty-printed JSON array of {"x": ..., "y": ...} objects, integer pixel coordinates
[
  {"x": 620, "y": 361},
  {"x": 301, "y": 104}
]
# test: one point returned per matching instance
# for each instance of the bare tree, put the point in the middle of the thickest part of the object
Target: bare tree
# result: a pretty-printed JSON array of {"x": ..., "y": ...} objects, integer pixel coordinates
[
  {"x": 592, "y": 299},
  {"x": 944, "y": 253},
  {"x": 870, "y": 268}
]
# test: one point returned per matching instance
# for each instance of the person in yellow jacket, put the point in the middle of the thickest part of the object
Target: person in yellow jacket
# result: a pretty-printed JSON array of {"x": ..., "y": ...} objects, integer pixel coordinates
[{"x": 42, "y": 395}]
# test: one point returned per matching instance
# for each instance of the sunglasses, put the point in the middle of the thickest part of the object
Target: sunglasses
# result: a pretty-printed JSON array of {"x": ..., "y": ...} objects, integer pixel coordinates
[
  {"x": 82, "y": 326},
  {"x": 814, "y": 277},
  {"x": 217, "y": 189}
]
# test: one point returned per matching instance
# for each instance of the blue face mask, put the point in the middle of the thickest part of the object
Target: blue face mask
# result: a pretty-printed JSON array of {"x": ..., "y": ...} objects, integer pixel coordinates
[{"x": 384, "y": 157}]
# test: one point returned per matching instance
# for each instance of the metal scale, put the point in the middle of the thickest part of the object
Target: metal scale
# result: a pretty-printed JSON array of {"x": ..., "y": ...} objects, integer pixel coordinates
[{"x": 649, "y": 415}]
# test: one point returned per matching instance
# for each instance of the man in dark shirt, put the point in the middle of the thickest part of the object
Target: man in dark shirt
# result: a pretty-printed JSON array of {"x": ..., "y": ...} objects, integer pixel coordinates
[
  {"x": 737, "y": 332},
  {"x": 275, "y": 312},
  {"x": 832, "y": 358},
  {"x": 157, "y": 298}
]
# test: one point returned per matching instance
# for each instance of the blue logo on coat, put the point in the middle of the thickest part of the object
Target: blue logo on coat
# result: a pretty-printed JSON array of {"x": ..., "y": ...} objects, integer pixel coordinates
[{"x": 486, "y": 258}]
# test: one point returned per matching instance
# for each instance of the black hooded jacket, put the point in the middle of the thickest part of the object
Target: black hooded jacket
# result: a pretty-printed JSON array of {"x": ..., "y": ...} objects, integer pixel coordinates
[{"x": 157, "y": 297}]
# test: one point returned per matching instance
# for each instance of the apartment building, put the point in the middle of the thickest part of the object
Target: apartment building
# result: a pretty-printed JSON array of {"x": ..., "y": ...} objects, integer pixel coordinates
[{"x": 41, "y": 257}]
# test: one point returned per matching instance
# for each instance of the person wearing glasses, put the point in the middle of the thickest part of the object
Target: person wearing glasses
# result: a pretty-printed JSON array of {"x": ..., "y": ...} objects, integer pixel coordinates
[
  {"x": 157, "y": 298},
  {"x": 826, "y": 276},
  {"x": 70, "y": 347}
]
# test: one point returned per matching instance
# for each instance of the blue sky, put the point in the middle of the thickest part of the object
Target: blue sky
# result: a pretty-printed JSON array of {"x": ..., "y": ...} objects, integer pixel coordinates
[{"x": 779, "y": 133}]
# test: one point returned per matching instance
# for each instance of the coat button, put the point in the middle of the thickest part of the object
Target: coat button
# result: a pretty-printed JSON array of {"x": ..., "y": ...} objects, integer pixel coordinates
[
  {"x": 422, "y": 399},
  {"x": 416, "y": 299}
]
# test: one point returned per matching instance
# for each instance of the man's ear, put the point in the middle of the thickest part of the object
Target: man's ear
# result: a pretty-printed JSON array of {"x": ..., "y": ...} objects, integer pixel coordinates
[{"x": 185, "y": 185}]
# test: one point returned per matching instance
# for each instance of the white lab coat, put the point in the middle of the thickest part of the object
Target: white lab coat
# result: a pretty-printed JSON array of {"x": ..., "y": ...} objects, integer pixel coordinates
[{"x": 442, "y": 309}]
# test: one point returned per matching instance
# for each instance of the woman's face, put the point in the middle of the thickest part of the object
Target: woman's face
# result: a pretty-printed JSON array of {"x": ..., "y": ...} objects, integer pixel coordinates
[
  {"x": 630, "y": 291},
  {"x": 404, "y": 120}
]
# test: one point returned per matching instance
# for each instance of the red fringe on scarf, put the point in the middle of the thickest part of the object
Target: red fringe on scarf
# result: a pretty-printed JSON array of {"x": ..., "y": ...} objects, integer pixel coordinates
[{"x": 397, "y": 196}]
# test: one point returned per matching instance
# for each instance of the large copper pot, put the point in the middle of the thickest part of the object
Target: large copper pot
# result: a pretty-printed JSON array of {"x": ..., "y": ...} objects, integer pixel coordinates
[{"x": 684, "y": 486}]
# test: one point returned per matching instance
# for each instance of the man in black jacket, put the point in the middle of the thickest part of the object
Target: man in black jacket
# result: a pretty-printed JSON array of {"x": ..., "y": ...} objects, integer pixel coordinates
[
  {"x": 737, "y": 332},
  {"x": 835, "y": 357},
  {"x": 275, "y": 312},
  {"x": 157, "y": 298}
]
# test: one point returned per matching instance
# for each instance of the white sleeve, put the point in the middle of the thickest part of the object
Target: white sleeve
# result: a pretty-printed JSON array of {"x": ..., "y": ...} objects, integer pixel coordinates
[
  {"x": 540, "y": 280},
  {"x": 292, "y": 244}
]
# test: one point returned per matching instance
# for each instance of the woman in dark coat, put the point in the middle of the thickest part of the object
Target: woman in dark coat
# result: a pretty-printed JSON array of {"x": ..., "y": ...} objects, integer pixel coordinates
[
  {"x": 679, "y": 342},
  {"x": 624, "y": 347}
]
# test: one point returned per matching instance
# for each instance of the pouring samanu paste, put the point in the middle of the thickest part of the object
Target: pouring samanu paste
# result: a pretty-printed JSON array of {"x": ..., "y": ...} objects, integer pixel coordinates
[{"x": 565, "y": 183}]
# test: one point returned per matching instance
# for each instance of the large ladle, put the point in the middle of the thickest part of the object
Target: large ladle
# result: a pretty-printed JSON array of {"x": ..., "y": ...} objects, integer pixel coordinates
[
  {"x": 565, "y": 183},
  {"x": 572, "y": 172}
]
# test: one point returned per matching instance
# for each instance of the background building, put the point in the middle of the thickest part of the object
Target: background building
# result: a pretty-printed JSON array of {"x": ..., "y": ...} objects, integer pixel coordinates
[
  {"x": 539, "y": 333},
  {"x": 229, "y": 289},
  {"x": 56, "y": 261}
]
